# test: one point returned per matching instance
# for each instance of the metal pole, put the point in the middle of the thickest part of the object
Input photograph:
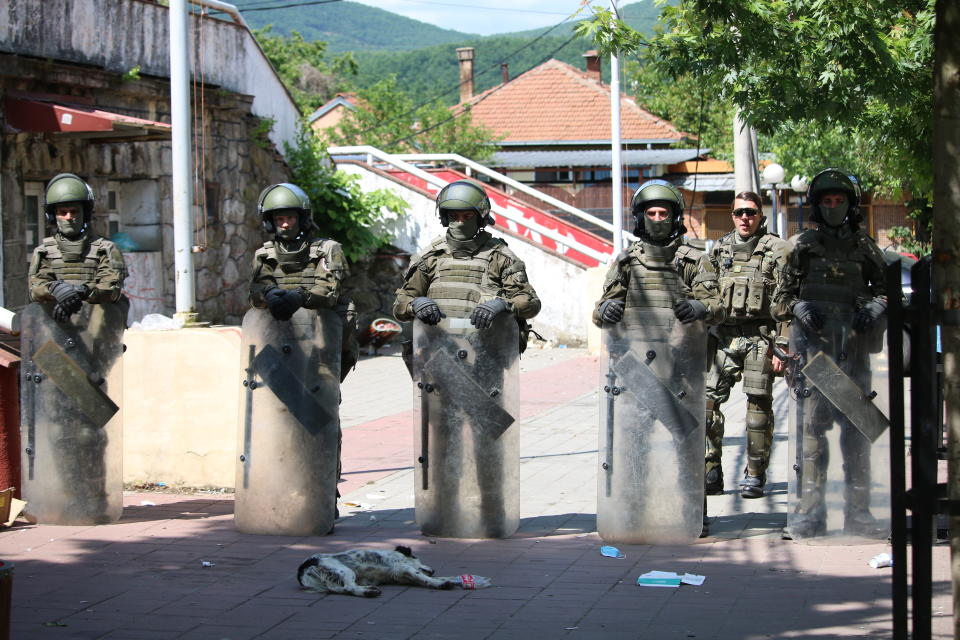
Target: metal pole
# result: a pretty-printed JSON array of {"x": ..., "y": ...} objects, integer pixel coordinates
[
  {"x": 898, "y": 468},
  {"x": 182, "y": 162},
  {"x": 744, "y": 168},
  {"x": 773, "y": 225},
  {"x": 616, "y": 175}
]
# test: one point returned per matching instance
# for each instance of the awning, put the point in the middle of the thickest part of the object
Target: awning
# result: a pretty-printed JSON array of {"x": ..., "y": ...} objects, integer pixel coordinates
[
  {"x": 78, "y": 121},
  {"x": 704, "y": 181},
  {"x": 590, "y": 158}
]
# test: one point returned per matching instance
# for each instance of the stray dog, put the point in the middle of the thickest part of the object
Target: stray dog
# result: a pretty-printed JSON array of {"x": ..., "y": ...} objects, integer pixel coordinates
[{"x": 357, "y": 572}]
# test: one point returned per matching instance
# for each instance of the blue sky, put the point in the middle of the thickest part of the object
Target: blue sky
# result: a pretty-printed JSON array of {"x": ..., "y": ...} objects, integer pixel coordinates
[{"x": 487, "y": 16}]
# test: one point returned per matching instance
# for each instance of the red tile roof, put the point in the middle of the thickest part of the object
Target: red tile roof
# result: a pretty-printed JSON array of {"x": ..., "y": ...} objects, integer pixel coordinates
[{"x": 557, "y": 102}]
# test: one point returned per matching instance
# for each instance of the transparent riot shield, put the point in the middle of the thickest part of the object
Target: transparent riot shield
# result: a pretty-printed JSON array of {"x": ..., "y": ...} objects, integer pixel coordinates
[
  {"x": 289, "y": 424},
  {"x": 466, "y": 442},
  {"x": 652, "y": 430},
  {"x": 839, "y": 441},
  {"x": 71, "y": 423}
]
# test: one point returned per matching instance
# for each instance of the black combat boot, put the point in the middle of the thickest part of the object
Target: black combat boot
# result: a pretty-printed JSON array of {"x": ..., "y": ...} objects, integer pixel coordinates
[
  {"x": 752, "y": 486},
  {"x": 713, "y": 481}
]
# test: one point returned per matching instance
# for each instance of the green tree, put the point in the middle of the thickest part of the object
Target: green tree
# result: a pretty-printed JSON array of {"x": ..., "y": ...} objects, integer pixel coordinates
[
  {"x": 389, "y": 119},
  {"x": 341, "y": 210},
  {"x": 855, "y": 75},
  {"x": 303, "y": 67}
]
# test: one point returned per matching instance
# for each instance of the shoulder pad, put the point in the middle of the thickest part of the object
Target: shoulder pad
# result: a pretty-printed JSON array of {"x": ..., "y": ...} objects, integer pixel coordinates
[
  {"x": 265, "y": 251},
  {"x": 688, "y": 252},
  {"x": 772, "y": 241}
]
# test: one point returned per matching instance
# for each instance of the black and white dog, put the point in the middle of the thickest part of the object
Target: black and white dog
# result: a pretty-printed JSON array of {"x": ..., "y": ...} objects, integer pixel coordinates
[{"x": 357, "y": 572}]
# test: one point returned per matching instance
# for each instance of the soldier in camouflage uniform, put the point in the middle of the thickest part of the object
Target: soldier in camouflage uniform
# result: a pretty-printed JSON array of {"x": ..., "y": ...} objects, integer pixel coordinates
[
  {"x": 296, "y": 270},
  {"x": 467, "y": 272},
  {"x": 833, "y": 287},
  {"x": 74, "y": 265},
  {"x": 660, "y": 269},
  {"x": 748, "y": 261}
]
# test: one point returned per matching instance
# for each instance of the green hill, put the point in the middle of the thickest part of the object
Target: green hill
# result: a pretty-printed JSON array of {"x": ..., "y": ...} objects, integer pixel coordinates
[{"x": 350, "y": 26}]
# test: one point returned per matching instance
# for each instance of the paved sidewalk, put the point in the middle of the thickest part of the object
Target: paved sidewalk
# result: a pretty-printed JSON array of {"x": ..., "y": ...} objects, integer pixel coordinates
[{"x": 143, "y": 577}]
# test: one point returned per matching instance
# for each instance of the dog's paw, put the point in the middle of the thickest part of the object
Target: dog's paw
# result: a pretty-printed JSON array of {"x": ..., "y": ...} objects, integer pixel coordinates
[{"x": 371, "y": 592}]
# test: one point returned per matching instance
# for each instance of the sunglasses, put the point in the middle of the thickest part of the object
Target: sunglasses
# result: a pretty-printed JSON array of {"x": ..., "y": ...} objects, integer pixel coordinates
[{"x": 745, "y": 211}]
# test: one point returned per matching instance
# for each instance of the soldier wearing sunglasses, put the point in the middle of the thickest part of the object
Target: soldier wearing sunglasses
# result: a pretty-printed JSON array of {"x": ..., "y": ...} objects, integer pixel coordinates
[{"x": 747, "y": 261}]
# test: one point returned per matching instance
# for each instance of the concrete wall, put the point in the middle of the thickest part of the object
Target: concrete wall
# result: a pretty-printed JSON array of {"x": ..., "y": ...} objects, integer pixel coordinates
[
  {"x": 117, "y": 35},
  {"x": 181, "y": 394},
  {"x": 563, "y": 286}
]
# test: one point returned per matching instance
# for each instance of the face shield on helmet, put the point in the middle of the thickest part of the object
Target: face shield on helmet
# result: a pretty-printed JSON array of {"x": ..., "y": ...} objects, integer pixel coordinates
[
  {"x": 67, "y": 190},
  {"x": 464, "y": 196},
  {"x": 826, "y": 207},
  {"x": 285, "y": 199},
  {"x": 652, "y": 196}
]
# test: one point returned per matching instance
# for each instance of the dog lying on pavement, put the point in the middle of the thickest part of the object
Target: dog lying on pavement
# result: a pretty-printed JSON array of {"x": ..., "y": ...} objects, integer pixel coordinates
[{"x": 357, "y": 572}]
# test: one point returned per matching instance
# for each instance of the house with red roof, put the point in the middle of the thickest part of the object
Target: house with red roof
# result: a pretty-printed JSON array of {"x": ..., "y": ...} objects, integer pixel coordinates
[{"x": 554, "y": 121}]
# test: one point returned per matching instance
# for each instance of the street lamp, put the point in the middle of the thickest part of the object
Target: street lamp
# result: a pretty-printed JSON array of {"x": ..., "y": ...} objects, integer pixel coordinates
[
  {"x": 773, "y": 175},
  {"x": 799, "y": 187}
]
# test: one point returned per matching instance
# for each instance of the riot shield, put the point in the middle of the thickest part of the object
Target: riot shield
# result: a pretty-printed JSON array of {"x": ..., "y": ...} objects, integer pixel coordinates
[
  {"x": 289, "y": 423},
  {"x": 839, "y": 441},
  {"x": 652, "y": 430},
  {"x": 71, "y": 423},
  {"x": 466, "y": 444}
]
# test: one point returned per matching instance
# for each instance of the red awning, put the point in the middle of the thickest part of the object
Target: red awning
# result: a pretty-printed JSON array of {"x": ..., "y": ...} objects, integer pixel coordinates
[{"x": 72, "y": 120}]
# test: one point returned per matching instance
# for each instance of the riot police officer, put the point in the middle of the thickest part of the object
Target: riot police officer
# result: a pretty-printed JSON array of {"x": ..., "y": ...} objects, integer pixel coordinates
[
  {"x": 833, "y": 287},
  {"x": 299, "y": 343},
  {"x": 74, "y": 265},
  {"x": 655, "y": 295},
  {"x": 297, "y": 270},
  {"x": 466, "y": 370},
  {"x": 748, "y": 260},
  {"x": 466, "y": 272},
  {"x": 73, "y": 464}
]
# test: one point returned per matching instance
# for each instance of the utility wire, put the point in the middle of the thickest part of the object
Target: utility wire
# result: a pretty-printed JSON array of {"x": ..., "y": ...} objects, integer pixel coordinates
[
  {"x": 479, "y": 100},
  {"x": 303, "y": 3}
]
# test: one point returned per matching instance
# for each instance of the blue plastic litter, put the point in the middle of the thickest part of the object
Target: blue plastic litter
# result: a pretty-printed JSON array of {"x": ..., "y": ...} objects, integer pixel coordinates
[{"x": 611, "y": 552}]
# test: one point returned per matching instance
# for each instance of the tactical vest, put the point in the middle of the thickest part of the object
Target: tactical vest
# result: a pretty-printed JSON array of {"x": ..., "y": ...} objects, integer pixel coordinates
[
  {"x": 655, "y": 276},
  {"x": 743, "y": 283},
  {"x": 292, "y": 270},
  {"x": 75, "y": 268},
  {"x": 460, "y": 284},
  {"x": 834, "y": 269}
]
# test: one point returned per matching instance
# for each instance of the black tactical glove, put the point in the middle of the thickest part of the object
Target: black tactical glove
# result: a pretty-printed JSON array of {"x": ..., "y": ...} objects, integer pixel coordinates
[
  {"x": 807, "y": 314},
  {"x": 611, "y": 311},
  {"x": 69, "y": 297},
  {"x": 427, "y": 310},
  {"x": 283, "y": 303},
  {"x": 59, "y": 313},
  {"x": 869, "y": 313},
  {"x": 688, "y": 311},
  {"x": 484, "y": 313}
]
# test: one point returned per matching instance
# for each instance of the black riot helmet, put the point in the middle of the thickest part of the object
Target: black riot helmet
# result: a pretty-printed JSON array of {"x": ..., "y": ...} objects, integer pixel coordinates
[
  {"x": 464, "y": 194},
  {"x": 835, "y": 180},
  {"x": 284, "y": 196},
  {"x": 654, "y": 193},
  {"x": 67, "y": 188}
]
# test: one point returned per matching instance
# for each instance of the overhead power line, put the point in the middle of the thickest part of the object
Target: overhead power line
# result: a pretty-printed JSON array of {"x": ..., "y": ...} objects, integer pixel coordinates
[{"x": 288, "y": 5}]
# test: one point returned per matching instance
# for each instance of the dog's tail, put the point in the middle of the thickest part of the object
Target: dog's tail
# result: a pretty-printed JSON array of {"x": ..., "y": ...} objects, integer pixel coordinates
[{"x": 302, "y": 569}]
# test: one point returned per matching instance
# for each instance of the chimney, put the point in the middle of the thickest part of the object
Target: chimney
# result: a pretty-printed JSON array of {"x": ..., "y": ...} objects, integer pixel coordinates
[
  {"x": 505, "y": 72},
  {"x": 465, "y": 56},
  {"x": 593, "y": 65}
]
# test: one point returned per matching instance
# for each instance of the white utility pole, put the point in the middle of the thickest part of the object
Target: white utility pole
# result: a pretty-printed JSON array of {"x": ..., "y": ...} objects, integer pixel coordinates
[
  {"x": 616, "y": 174},
  {"x": 186, "y": 297},
  {"x": 744, "y": 157}
]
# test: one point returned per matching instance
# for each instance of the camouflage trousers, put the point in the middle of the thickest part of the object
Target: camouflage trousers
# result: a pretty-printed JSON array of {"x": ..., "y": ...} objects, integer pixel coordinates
[{"x": 745, "y": 357}]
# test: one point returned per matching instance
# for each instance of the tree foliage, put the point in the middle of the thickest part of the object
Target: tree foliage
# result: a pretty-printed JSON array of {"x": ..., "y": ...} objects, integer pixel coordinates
[
  {"x": 389, "y": 119},
  {"x": 341, "y": 210},
  {"x": 828, "y": 82},
  {"x": 303, "y": 67}
]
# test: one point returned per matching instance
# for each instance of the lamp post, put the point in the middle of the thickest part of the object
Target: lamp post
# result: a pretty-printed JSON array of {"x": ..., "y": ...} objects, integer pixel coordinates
[
  {"x": 799, "y": 187},
  {"x": 773, "y": 174}
]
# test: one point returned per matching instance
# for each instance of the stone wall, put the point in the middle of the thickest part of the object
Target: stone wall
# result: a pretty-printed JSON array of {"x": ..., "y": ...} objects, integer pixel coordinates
[
  {"x": 373, "y": 282},
  {"x": 238, "y": 164}
]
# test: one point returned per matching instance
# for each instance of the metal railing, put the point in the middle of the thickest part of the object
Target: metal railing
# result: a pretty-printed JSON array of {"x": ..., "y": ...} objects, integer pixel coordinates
[
  {"x": 519, "y": 186},
  {"x": 399, "y": 162}
]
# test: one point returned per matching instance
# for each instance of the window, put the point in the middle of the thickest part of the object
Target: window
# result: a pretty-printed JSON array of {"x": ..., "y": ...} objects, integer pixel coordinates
[
  {"x": 553, "y": 175},
  {"x": 33, "y": 214}
]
